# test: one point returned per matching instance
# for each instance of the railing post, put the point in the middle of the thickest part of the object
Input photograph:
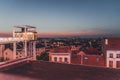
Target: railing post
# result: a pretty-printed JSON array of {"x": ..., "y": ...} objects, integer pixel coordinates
[
  {"x": 14, "y": 46},
  {"x": 14, "y": 50},
  {"x": 25, "y": 47},
  {"x": 34, "y": 50}
]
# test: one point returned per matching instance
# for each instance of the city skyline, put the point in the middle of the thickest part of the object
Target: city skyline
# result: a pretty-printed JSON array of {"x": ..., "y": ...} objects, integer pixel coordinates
[{"x": 63, "y": 17}]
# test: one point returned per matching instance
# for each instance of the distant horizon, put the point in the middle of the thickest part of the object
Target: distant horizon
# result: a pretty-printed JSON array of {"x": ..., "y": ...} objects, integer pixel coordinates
[{"x": 53, "y": 35}]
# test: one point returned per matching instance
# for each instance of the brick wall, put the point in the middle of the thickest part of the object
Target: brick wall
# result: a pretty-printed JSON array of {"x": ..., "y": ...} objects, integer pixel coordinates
[{"x": 95, "y": 60}]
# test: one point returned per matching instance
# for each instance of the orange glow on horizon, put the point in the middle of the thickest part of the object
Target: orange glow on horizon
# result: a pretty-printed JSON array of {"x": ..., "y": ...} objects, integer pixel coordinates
[
  {"x": 70, "y": 33},
  {"x": 65, "y": 33}
]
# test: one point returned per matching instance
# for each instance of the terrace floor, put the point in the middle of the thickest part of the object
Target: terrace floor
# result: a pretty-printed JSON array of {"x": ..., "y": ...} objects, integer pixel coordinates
[{"x": 39, "y": 70}]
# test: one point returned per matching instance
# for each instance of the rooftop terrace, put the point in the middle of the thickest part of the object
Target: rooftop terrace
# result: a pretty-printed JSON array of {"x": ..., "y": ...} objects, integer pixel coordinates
[{"x": 55, "y": 71}]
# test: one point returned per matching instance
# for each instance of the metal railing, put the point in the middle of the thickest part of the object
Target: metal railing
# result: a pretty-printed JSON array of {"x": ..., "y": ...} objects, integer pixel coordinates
[
  {"x": 15, "y": 61},
  {"x": 11, "y": 40}
]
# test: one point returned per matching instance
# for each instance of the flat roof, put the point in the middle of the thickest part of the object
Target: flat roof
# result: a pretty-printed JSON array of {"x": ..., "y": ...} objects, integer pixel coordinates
[
  {"x": 24, "y": 26},
  {"x": 58, "y": 71}
]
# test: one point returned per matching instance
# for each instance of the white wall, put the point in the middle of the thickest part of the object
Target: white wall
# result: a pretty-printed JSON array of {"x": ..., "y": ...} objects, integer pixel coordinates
[
  {"x": 114, "y": 59},
  {"x": 60, "y": 56}
]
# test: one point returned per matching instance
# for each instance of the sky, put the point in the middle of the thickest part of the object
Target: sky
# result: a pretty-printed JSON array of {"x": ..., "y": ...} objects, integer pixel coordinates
[{"x": 62, "y": 17}]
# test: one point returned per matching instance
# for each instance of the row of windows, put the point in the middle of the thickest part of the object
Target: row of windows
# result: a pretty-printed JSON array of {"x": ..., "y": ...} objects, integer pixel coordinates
[
  {"x": 66, "y": 59},
  {"x": 60, "y": 59},
  {"x": 117, "y": 55},
  {"x": 28, "y": 36},
  {"x": 86, "y": 59}
]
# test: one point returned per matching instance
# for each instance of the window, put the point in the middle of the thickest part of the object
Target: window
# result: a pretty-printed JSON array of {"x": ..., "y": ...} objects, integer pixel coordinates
[
  {"x": 118, "y": 56},
  {"x": 55, "y": 59},
  {"x": 86, "y": 59},
  {"x": 97, "y": 59},
  {"x": 111, "y": 55},
  {"x": 60, "y": 59},
  {"x": 65, "y": 59}
]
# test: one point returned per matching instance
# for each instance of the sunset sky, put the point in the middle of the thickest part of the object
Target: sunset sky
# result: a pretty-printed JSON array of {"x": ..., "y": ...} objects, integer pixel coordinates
[{"x": 62, "y": 17}]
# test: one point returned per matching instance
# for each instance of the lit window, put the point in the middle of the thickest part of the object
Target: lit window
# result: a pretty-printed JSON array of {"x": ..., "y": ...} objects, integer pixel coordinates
[
  {"x": 97, "y": 59},
  {"x": 118, "y": 56},
  {"x": 86, "y": 59},
  {"x": 55, "y": 59},
  {"x": 111, "y": 55}
]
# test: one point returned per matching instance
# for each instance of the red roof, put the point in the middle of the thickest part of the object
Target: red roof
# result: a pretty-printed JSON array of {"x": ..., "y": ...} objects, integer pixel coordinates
[
  {"x": 113, "y": 43},
  {"x": 81, "y": 53},
  {"x": 96, "y": 60},
  {"x": 91, "y": 50},
  {"x": 60, "y": 50}
]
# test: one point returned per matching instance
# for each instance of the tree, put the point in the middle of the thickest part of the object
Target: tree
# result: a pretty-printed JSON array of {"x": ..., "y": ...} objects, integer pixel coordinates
[{"x": 44, "y": 56}]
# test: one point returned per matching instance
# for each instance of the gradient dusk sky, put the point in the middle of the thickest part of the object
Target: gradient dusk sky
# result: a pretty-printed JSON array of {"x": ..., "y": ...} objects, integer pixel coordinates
[{"x": 65, "y": 17}]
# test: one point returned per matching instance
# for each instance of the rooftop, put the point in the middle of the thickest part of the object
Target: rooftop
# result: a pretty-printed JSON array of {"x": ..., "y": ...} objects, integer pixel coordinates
[
  {"x": 60, "y": 50},
  {"x": 113, "y": 43},
  {"x": 55, "y": 71},
  {"x": 24, "y": 26}
]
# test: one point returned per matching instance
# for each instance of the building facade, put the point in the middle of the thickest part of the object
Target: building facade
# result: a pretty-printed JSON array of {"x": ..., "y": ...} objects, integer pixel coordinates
[
  {"x": 61, "y": 55},
  {"x": 113, "y": 58},
  {"x": 84, "y": 59},
  {"x": 112, "y": 46},
  {"x": 8, "y": 54}
]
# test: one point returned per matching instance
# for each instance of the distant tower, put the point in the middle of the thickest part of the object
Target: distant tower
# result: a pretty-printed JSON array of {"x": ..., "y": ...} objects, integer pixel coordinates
[{"x": 28, "y": 35}]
